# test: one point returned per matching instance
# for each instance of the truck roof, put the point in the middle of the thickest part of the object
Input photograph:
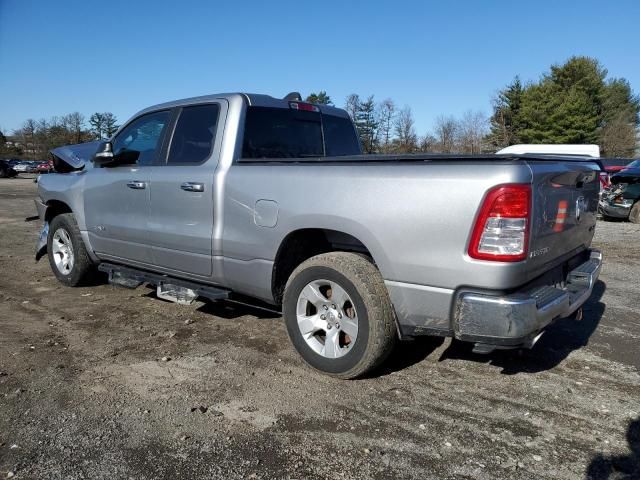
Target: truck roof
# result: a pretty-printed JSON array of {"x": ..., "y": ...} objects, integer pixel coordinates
[{"x": 251, "y": 99}]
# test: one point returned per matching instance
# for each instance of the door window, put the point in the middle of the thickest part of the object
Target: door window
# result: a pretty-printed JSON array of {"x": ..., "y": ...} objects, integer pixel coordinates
[
  {"x": 140, "y": 140},
  {"x": 194, "y": 135}
]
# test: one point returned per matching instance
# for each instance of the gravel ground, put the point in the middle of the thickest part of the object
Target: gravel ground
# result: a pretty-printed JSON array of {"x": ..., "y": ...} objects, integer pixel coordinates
[{"x": 105, "y": 382}]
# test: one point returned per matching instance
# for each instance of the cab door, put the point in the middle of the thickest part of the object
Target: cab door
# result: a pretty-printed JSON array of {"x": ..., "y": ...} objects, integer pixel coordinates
[
  {"x": 116, "y": 198},
  {"x": 182, "y": 192}
]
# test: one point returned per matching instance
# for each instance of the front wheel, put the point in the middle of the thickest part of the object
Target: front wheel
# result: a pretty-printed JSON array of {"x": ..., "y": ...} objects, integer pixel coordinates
[
  {"x": 338, "y": 314},
  {"x": 67, "y": 254}
]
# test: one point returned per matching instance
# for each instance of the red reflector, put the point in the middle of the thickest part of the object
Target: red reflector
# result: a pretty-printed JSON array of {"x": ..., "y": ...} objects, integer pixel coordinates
[
  {"x": 307, "y": 107},
  {"x": 503, "y": 201}
]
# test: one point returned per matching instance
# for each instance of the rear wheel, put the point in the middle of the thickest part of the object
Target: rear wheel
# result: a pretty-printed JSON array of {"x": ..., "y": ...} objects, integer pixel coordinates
[
  {"x": 338, "y": 314},
  {"x": 67, "y": 254},
  {"x": 634, "y": 215}
]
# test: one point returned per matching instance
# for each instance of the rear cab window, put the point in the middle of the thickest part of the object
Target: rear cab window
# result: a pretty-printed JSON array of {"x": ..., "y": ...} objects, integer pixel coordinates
[
  {"x": 272, "y": 132},
  {"x": 340, "y": 137}
]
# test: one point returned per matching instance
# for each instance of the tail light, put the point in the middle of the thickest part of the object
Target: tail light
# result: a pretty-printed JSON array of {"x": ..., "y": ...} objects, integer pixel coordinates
[{"x": 501, "y": 231}]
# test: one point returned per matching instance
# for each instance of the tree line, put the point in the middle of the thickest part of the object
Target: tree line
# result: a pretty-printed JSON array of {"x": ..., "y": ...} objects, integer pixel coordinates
[
  {"x": 384, "y": 127},
  {"x": 36, "y": 137},
  {"x": 573, "y": 103}
]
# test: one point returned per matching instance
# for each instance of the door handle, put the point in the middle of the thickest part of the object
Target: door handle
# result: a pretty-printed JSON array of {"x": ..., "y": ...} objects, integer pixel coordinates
[
  {"x": 192, "y": 187},
  {"x": 136, "y": 184}
]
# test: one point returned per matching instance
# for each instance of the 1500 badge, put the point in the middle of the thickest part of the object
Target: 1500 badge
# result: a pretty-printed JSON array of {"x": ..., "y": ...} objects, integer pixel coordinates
[{"x": 540, "y": 251}]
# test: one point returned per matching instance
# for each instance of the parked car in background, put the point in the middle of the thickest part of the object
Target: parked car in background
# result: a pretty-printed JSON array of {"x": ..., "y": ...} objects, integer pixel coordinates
[
  {"x": 632, "y": 169},
  {"x": 611, "y": 166},
  {"x": 6, "y": 170},
  {"x": 44, "y": 167},
  {"x": 22, "y": 167},
  {"x": 622, "y": 198}
]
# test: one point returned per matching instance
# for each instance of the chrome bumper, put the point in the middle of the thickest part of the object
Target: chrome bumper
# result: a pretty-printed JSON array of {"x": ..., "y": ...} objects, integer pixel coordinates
[{"x": 517, "y": 319}]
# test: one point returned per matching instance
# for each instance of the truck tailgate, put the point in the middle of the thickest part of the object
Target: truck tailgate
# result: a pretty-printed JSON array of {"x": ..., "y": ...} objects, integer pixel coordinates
[{"x": 565, "y": 202}]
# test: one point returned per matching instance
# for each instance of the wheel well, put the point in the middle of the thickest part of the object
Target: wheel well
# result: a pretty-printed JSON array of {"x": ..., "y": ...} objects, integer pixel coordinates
[
  {"x": 302, "y": 244},
  {"x": 55, "y": 208}
]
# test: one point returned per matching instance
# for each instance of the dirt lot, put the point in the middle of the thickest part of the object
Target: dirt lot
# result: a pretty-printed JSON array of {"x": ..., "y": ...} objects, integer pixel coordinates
[{"x": 85, "y": 393}]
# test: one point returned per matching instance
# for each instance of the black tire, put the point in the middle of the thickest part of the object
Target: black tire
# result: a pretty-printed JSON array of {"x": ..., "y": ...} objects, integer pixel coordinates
[
  {"x": 83, "y": 268},
  {"x": 634, "y": 214},
  {"x": 363, "y": 283}
]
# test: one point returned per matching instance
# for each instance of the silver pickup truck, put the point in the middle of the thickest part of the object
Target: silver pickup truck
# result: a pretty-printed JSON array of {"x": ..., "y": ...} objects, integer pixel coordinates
[{"x": 241, "y": 195}]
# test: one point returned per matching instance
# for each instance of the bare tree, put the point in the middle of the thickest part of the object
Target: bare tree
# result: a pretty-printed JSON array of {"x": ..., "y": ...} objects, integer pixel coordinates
[
  {"x": 27, "y": 136},
  {"x": 618, "y": 138},
  {"x": 75, "y": 122},
  {"x": 429, "y": 144},
  {"x": 445, "y": 132},
  {"x": 386, "y": 116},
  {"x": 42, "y": 133},
  {"x": 472, "y": 129},
  {"x": 406, "y": 139},
  {"x": 352, "y": 105}
]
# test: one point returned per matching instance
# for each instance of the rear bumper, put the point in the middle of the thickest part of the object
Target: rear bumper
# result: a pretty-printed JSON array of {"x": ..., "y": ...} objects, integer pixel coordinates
[{"x": 516, "y": 320}]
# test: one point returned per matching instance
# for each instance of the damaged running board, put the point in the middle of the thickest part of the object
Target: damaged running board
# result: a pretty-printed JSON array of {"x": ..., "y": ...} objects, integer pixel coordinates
[{"x": 168, "y": 288}]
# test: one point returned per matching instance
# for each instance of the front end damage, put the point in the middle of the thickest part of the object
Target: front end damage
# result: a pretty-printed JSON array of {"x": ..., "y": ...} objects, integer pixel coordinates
[
  {"x": 619, "y": 198},
  {"x": 68, "y": 159}
]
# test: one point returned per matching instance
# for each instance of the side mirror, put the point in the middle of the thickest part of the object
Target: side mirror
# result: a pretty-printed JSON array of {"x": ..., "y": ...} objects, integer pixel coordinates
[
  {"x": 104, "y": 154},
  {"x": 105, "y": 157}
]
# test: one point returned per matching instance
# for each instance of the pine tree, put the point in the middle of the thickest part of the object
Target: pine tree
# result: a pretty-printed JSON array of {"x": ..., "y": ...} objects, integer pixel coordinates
[
  {"x": 367, "y": 125},
  {"x": 320, "y": 98},
  {"x": 109, "y": 124},
  {"x": 97, "y": 125},
  {"x": 566, "y": 105},
  {"x": 573, "y": 103},
  {"x": 505, "y": 121}
]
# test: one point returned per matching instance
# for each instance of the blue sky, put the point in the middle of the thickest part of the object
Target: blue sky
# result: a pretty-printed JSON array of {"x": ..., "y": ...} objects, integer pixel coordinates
[{"x": 442, "y": 57}]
